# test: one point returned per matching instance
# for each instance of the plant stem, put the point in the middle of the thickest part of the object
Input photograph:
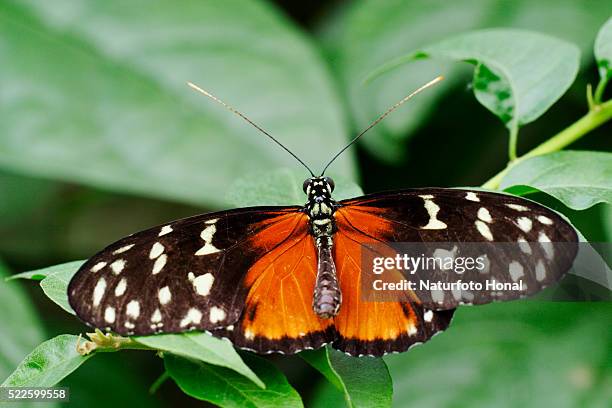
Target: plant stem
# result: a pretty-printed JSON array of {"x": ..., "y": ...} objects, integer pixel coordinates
[
  {"x": 159, "y": 382},
  {"x": 512, "y": 142},
  {"x": 597, "y": 116},
  {"x": 601, "y": 87}
]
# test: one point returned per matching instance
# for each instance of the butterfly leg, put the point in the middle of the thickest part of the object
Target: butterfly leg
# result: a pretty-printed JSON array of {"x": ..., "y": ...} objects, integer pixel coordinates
[{"x": 327, "y": 297}]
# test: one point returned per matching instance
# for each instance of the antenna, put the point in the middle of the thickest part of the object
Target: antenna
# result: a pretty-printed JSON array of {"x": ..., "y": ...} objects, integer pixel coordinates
[
  {"x": 214, "y": 98},
  {"x": 381, "y": 117}
]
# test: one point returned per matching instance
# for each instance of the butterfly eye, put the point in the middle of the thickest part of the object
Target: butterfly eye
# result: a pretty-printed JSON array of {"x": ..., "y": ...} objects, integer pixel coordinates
[
  {"x": 305, "y": 185},
  {"x": 331, "y": 183}
]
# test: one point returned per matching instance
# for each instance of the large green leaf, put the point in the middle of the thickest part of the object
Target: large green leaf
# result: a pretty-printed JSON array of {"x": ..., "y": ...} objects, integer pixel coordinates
[
  {"x": 21, "y": 328},
  {"x": 203, "y": 347},
  {"x": 48, "y": 364},
  {"x": 579, "y": 179},
  {"x": 226, "y": 388},
  {"x": 95, "y": 93},
  {"x": 528, "y": 354},
  {"x": 603, "y": 49},
  {"x": 519, "y": 74},
  {"x": 364, "y": 381},
  {"x": 364, "y": 34}
]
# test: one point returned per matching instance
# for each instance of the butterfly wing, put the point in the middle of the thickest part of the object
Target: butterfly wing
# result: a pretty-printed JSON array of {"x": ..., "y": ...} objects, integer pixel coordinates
[
  {"x": 539, "y": 246},
  {"x": 202, "y": 273},
  {"x": 375, "y": 327},
  {"x": 278, "y": 314}
]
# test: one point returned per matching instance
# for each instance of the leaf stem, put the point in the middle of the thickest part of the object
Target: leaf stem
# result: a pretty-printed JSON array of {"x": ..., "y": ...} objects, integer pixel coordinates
[
  {"x": 512, "y": 142},
  {"x": 159, "y": 382},
  {"x": 601, "y": 87},
  {"x": 598, "y": 115}
]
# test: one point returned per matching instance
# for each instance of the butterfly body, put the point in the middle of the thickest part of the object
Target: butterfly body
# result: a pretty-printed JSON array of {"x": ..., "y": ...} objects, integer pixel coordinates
[{"x": 327, "y": 296}]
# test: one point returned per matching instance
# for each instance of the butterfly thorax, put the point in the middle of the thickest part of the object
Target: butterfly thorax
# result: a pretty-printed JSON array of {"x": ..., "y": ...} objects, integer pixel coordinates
[{"x": 320, "y": 209}]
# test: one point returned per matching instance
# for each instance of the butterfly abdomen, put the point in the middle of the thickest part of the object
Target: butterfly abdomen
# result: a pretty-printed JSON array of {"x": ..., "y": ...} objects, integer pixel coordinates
[{"x": 327, "y": 297}]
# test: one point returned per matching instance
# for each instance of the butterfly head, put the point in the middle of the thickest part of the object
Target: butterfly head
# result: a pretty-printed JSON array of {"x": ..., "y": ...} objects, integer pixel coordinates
[{"x": 318, "y": 189}]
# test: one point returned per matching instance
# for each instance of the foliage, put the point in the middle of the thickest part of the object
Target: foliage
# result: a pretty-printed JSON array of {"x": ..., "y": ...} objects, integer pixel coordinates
[{"x": 118, "y": 117}]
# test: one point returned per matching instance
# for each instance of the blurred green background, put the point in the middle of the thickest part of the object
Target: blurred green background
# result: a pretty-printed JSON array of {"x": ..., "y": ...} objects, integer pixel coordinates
[{"x": 100, "y": 137}]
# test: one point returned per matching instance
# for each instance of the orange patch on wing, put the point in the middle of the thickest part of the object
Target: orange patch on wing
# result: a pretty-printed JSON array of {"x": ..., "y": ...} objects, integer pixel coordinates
[
  {"x": 360, "y": 319},
  {"x": 279, "y": 303}
]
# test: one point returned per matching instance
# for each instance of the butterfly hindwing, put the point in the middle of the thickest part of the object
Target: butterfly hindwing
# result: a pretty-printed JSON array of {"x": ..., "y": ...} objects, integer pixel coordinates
[
  {"x": 380, "y": 327},
  {"x": 517, "y": 237}
]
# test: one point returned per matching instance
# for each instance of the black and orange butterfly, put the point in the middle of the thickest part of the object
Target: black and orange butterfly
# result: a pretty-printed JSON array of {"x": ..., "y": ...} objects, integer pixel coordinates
[{"x": 286, "y": 279}]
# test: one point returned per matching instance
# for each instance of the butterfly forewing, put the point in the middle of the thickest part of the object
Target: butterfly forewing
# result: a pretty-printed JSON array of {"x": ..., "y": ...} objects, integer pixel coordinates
[
  {"x": 180, "y": 276},
  {"x": 517, "y": 238}
]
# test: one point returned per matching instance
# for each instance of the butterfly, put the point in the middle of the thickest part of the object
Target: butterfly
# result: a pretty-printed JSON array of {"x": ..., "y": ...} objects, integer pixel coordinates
[{"x": 288, "y": 278}]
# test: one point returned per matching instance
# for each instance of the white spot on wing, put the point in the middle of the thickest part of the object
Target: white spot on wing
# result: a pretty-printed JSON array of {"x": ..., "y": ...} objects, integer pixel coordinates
[
  {"x": 210, "y": 222},
  {"x": 517, "y": 207},
  {"x": 546, "y": 245},
  {"x": 428, "y": 316},
  {"x": 109, "y": 315},
  {"x": 484, "y": 215},
  {"x": 97, "y": 267},
  {"x": 516, "y": 270},
  {"x": 545, "y": 220},
  {"x": 443, "y": 254},
  {"x": 193, "y": 316},
  {"x": 156, "y": 250},
  {"x": 129, "y": 325},
  {"x": 133, "y": 309},
  {"x": 524, "y": 224},
  {"x": 540, "y": 271},
  {"x": 412, "y": 330},
  {"x": 202, "y": 284},
  {"x": 118, "y": 266},
  {"x": 484, "y": 230},
  {"x": 216, "y": 314},
  {"x": 432, "y": 210},
  {"x": 524, "y": 245},
  {"x": 472, "y": 196},
  {"x": 164, "y": 295},
  {"x": 121, "y": 287},
  {"x": 159, "y": 264},
  {"x": 207, "y": 235},
  {"x": 156, "y": 317},
  {"x": 123, "y": 249},
  {"x": 98, "y": 291},
  {"x": 166, "y": 229},
  {"x": 486, "y": 264},
  {"x": 437, "y": 295}
]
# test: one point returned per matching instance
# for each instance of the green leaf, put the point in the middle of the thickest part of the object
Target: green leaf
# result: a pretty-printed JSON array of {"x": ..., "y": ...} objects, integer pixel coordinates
[
  {"x": 106, "y": 85},
  {"x": 603, "y": 50},
  {"x": 519, "y": 74},
  {"x": 363, "y": 34},
  {"x": 281, "y": 187},
  {"x": 55, "y": 287},
  {"x": 226, "y": 388},
  {"x": 21, "y": 328},
  {"x": 579, "y": 179},
  {"x": 68, "y": 268},
  {"x": 48, "y": 364},
  {"x": 522, "y": 353},
  {"x": 364, "y": 381},
  {"x": 203, "y": 347}
]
